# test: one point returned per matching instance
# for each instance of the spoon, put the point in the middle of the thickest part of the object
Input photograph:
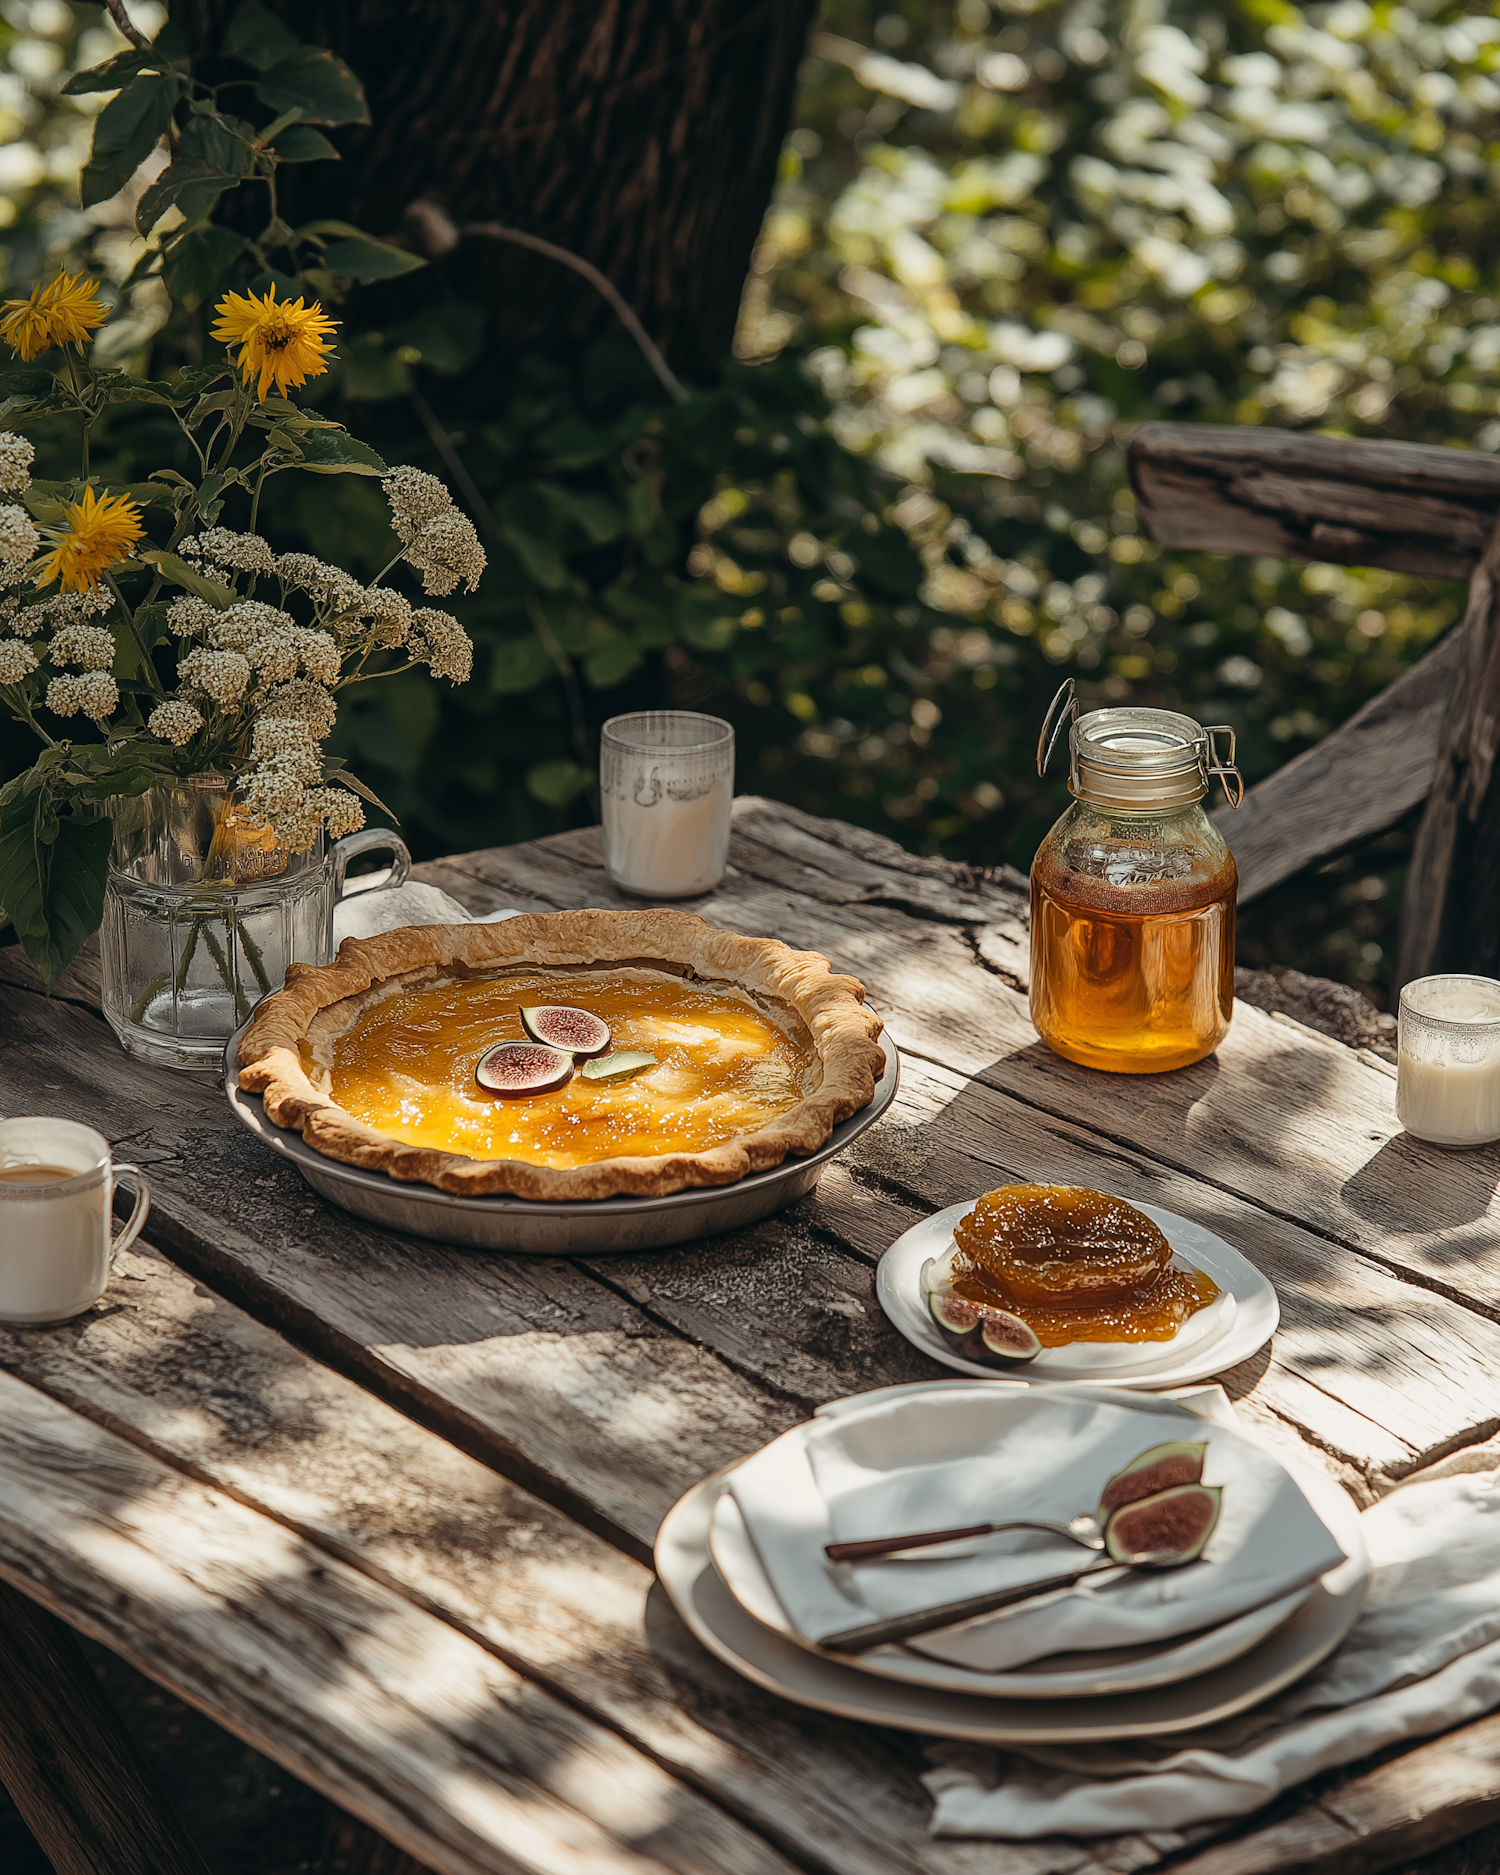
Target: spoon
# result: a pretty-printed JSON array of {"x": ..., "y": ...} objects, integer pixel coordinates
[
  {"x": 893, "y": 1628},
  {"x": 1085, "y": 1530}
]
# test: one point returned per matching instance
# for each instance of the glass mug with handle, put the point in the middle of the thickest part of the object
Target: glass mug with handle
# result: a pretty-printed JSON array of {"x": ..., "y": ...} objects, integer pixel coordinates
[{"x": 57, "y": 1181}]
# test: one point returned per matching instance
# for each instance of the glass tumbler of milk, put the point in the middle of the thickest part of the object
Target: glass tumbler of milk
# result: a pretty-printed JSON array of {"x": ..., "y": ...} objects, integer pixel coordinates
[
  {"x": 1448, "y": 1060},
  {"x": 666, "y": 778}
]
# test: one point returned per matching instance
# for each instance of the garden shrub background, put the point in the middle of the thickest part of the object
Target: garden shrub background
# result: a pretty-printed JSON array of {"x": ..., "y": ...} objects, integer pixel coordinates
[{"x": 1004, "y": 234}]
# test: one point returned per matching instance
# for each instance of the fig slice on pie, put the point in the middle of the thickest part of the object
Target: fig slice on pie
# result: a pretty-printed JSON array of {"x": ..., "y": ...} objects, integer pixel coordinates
[{"x": 742, "y": 1053}]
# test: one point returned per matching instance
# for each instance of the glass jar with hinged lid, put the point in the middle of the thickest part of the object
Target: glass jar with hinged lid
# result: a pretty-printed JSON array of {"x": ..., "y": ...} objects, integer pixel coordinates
[{"x": 1132, "y": 892}]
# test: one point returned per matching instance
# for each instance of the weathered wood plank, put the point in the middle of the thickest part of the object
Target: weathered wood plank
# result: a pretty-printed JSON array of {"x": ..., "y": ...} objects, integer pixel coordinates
[
  {"x": 1450, "y": 910},
  {"x": 71, "y": 1768},
  {"x": 1360, "y": 779},
  {"x": 203, "y": 1387},
  {"x": 1224, "y": 489},
  {"x": 1416, "y": 1803},
  {"x": 390, "y": 1712},
  {"x": 79, "y": 983}
]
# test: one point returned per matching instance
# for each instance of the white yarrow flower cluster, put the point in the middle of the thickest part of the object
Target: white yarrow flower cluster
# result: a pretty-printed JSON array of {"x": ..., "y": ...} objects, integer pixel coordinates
[
  {"x": 16, "y": 458},
  {"x": 90, "y": 647},
  {"x": 389, "y": 614},
  {"x": 70, "y": 608},
  {"x": 437, "y": 640},
  {"x": 222, "y": 676},
  {"x": 19, "y": 539},
  {"x": 439, "y": 541},
  {"x": 17, "y": 661},
  {"x": 96, "y": 694},
  {"x": 175, "y": 721},
  {"x": 308, "y": 703},
  {"x": 189, "y": 615},
  {"x": 331, "y": 584},
  {"x": 221, "y": 546}
]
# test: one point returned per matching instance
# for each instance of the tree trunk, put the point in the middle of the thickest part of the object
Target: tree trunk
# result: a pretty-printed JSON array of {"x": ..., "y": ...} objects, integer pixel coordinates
[{"x": 641, "y": 134}]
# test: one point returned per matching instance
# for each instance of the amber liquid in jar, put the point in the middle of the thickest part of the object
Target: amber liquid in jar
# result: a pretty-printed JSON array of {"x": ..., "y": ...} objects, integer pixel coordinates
[{"x": 1132, "y": 964}]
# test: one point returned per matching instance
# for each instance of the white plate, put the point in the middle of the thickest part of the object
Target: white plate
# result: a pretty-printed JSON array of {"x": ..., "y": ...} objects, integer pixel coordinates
[
  {"x": 1244, "y": 1331},
  {"x": 1112, "y": 1670},
  {"x": 765, "y": 1656}
]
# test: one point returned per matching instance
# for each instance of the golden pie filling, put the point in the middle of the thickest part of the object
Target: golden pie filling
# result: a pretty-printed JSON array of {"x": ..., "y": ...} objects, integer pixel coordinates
[{"x": 723, "y": 1069}]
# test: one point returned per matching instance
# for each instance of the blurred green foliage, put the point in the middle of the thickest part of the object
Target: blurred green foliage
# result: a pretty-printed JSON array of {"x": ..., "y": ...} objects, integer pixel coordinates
[{"x": 1005, "y": 234}]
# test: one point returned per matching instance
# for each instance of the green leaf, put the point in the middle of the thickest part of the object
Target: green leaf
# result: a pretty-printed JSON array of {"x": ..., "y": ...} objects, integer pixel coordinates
[
  {"x": 139, "y": 391},
  {"x": 448, "y": 336},
  {"x": 322, "y": 85},
  {"x": 336, "y": 452},
  {"x": 52, "y": 874},
  {"x": 259, "y": 38},
  {"x": 595, "y": 515},
  {"x": 540, "y": 559},
  {"x": 300, "y": 143},
  {"x": 198, "y": 264},
  {"x": 114, "y": 73},
  {"x": 125, "y": 133},
  {"x": 76, "y": 880},
  {"x": 520, "y": 664},
  {"x": 610, "y": 659},
  {"x": 556, "y": 783},
  {"x": 208, "y": 160},
  {"x": 335, "y": 771},
  {"x": 366, "y": 260},
  {"x": 181, "y": 574}
]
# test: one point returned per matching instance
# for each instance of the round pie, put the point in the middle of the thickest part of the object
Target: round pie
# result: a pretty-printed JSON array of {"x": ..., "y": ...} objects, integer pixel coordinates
[{"x": 733, "y": 1053}]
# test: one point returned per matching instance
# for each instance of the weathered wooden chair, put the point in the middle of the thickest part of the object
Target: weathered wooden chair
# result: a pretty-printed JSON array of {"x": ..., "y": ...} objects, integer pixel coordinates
[{"x": 1432, "y": 735}]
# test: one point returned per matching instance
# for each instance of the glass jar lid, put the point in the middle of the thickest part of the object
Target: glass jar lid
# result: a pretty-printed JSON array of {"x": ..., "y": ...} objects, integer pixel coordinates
[{"x": 1135, "y": 757}]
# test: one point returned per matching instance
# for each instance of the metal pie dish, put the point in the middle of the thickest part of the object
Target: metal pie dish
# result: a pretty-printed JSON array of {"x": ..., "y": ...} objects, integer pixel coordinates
[{"x": 532, "y": 1228}]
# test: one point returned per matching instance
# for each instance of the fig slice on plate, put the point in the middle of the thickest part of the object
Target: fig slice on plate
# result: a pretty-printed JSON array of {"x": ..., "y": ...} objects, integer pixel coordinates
[
  {"x": 517, "y": 1068},
  {"x": 1156, "y": 1469},
  {"x": 1171, "y": 1526},
  {"x": 990, "y": 1336},
  {"x": 617, "y": 1067},
  {"x": 557, "y": 1025}
]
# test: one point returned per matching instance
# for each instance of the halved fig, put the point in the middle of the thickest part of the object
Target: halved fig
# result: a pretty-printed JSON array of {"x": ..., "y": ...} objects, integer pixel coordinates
[
  {"x": 1171, "y": 1526},
  {"x": 979, "y": 1333},
  {"x": 1006, "y": 1340},
  {"x": 1156, "y": 1469},
  {"x": 556, "y": 1025},
  {"x": 617, "y": 1067},
  {"x": 516, "y": 1068}
]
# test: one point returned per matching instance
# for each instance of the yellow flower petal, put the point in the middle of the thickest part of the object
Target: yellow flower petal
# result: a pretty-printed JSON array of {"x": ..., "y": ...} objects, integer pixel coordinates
[
  {"x": 281, "y": 341},
  {"x": 63, "y": 312},
  {"x": 100, "y": 530}
]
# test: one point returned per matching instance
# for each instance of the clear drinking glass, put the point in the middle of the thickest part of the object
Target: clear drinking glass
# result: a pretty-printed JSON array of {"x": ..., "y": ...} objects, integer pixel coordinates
[
  {"x": 1448, "y": 1060},
  {"x": 666, "y": 781},
  {"x": 203, "y": 911}
]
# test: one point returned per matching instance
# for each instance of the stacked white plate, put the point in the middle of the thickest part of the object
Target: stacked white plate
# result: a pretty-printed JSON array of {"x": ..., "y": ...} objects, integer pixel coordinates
[
  {"x": 1230, "y": 1330},
  {"x": 721, "y": 1573}
]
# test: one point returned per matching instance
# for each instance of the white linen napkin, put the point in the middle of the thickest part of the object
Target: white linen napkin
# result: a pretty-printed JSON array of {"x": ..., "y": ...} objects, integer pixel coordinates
[
  {"x": 369, "y": 910},
  {"x": 966, "y": 1453},
  {"x": 1423, "y": 1656}
]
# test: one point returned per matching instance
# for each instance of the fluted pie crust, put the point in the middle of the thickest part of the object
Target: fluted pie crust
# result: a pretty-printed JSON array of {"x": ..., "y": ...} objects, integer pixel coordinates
[{"x": 287, "y": 1052}]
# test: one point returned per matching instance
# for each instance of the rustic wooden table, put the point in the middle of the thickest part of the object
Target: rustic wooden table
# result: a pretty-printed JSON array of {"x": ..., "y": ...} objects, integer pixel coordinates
[{"x": 385, "y": 1508}]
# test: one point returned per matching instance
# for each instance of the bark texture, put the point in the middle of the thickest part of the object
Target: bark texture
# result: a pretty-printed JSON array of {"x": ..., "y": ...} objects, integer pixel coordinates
[{"x": 641, "y": 134}]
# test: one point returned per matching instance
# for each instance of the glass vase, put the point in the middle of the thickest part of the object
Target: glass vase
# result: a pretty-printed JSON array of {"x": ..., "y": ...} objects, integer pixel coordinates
[{"x": 204, "y": 910}]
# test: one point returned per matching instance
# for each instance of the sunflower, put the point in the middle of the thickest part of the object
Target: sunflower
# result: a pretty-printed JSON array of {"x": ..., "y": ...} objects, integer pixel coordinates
[
  {"x": 99, "y": 531},
  {"x": 63, "y": 312},
  {"x": 283, "y": 340}
]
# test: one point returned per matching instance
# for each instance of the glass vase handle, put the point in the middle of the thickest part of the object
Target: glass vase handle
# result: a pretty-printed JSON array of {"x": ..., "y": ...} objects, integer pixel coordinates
[{"x": 371, "y": 840}]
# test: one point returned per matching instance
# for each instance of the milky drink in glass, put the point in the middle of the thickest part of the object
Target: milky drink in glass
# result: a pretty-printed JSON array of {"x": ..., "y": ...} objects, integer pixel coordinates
[
  {"x": 1133, "y": 897},
  {"x": 666, "y": 782},
  {"x": 1448, "y": 1060}
]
